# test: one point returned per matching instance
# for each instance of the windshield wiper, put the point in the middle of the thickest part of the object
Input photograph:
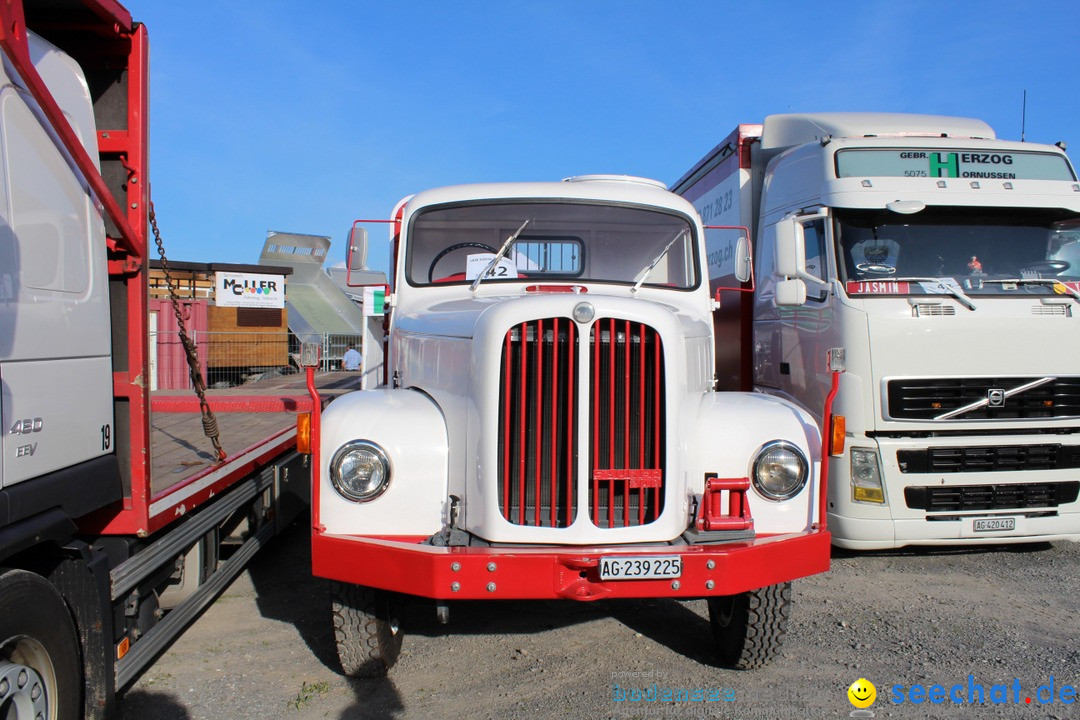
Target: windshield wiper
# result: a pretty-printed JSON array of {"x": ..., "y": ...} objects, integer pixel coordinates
[
  {"x": 498, "y": 256},
  {"x": 946, "y": 289},
  {"x": 656, "y": 261},
  {"x": 1049, "y": 282}
]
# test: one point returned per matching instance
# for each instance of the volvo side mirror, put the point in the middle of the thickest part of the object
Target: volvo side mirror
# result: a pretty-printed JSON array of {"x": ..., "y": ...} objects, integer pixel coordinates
[
  {"x": 790, "y": 249},
  {"x": 790, "y": 293}
]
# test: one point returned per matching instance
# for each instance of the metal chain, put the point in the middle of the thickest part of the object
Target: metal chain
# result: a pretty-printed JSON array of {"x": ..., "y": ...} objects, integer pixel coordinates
[{"x": 210, "y": 426}]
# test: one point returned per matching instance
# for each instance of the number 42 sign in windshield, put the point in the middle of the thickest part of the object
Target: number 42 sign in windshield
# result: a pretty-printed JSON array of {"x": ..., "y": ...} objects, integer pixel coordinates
[{"x": 475, "y": 265}]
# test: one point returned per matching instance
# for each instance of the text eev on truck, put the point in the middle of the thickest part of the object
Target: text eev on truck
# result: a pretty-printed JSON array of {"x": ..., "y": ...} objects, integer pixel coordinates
[
  {"x": 114, "y": 535},
  {"x": 946, "y": 263},
  {"x": 550, "y": 429}
]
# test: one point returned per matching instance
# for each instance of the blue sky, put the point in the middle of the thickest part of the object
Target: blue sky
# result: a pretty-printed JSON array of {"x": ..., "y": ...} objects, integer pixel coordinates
[{"x": 303, "y": 117}]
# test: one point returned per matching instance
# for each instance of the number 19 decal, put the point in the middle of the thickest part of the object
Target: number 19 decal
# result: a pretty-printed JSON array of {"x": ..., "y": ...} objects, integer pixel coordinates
[{"x": 106, "y": 437}]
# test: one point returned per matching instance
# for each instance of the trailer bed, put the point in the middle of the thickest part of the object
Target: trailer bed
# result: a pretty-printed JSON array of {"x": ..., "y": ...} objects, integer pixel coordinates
[
  {"x": 256, "y": 423},
  {"x": 178, "y": 447}
]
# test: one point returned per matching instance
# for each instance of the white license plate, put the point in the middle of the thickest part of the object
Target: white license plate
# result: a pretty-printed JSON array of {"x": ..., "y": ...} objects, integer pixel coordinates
[
  {"x": 994, "y": 524},
  {"x": 644, "y": 567}
]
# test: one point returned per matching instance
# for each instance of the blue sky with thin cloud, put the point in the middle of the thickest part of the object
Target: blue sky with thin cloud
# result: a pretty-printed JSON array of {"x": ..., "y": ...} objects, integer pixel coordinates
[{"x": 302, "y": 117}]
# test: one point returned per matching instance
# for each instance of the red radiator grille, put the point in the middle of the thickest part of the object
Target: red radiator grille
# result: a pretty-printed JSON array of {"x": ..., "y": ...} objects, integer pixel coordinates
[
  {"x": 626, "y": 419},
  {"x": 538, "y": 423}
]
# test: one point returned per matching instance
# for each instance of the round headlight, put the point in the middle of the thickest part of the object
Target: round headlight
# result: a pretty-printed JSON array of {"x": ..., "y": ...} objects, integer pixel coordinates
[
  {"x": 780, "y": 471},
  {"x": 360, "y": 471}
]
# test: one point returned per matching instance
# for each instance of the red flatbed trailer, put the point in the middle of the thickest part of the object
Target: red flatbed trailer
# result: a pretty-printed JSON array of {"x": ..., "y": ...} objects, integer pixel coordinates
[{"x": 103, "y": 563}]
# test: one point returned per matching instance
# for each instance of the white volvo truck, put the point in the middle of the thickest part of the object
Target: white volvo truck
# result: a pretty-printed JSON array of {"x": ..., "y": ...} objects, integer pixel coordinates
[
  {"x": 550, "y": 428},
  {"x": 946, "y": 263}
]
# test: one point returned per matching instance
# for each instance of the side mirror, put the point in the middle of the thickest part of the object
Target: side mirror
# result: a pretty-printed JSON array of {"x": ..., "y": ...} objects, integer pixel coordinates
[
  {"x": 790, "y": 249},
  {"x": 742, "y": 259},
  {"x": 790, "y": 293},
  {"x": 356, "y": 256}
]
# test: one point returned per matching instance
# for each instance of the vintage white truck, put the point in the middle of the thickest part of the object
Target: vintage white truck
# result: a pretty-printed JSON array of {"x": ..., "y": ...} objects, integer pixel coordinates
[{"x": 550, "y": 427}]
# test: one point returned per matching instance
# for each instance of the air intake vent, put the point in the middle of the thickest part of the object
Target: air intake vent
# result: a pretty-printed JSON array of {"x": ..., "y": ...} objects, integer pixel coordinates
[
  {"x": 993, "y": 458},
  {"x": 538, "y": 423},
  {"x": 626, "y": 420},
  {"x": 1055, "y": 309},
  {"x": 932, "y": 309},
  {"x": 988, "y": 398},
  {"x": 991, "y": 497}
]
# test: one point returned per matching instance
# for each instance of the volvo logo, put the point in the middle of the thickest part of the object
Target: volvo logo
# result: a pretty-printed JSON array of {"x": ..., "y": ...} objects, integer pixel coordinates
[{"x": 995, "y": 397}]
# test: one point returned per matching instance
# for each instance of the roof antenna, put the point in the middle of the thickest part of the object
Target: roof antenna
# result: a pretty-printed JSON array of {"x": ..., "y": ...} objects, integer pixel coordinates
[{"x": 1023, "y": 116}]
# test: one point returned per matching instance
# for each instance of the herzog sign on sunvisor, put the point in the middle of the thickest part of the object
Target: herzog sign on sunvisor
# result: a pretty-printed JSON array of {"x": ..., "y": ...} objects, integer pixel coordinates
[
  {"x": 971, "y": 164},
  {"x": 249, "y": 290}
]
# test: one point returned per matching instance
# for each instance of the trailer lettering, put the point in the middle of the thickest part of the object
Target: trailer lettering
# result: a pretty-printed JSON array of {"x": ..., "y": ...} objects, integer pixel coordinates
[{"x": 718, "y": 207}]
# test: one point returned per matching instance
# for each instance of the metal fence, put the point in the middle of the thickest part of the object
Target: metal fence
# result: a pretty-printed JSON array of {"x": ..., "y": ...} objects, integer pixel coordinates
[{"x": 229, "y": 359}]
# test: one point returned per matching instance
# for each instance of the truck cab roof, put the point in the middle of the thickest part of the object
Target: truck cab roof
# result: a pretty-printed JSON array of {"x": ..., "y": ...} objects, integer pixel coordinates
[
  {"x": 787, "y": 130},
  {"x": 600, "y": 188}
]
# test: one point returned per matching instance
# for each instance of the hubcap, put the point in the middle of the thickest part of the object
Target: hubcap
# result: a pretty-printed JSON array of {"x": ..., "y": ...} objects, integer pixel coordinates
[{"x": 24, "y": 691}]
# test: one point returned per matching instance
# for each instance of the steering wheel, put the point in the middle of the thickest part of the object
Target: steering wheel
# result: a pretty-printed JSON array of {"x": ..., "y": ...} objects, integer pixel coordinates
[
  {"x": 1053, "y": 267},
  {"x": 875, "y": 268},
  {"x": 452, "y": 248}
]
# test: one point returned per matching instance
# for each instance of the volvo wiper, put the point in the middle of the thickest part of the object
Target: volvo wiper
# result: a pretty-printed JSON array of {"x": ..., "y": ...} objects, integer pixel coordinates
[{"x": 945, "y": 288}]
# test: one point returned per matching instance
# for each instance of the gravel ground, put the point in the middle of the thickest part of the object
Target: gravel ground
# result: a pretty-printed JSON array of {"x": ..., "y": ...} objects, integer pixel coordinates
[{"x": 999, "y": 615}]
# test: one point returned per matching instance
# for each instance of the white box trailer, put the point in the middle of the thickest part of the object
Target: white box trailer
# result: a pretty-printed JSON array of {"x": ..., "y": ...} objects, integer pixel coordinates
[{"x": 946, "y": 263}]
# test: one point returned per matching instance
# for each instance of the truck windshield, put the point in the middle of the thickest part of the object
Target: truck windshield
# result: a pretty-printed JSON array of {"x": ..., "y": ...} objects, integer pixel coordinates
[
  {"x": 561, "y": 241},
  {"x": 982, "y": 250}
]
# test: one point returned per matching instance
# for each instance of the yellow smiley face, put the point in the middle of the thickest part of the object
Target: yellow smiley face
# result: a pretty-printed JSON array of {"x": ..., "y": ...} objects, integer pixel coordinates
[{"x": 862, "y": 693}]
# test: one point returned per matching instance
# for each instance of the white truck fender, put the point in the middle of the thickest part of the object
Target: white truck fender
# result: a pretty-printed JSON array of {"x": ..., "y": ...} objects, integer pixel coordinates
[
  {"x": 733, "y": 427},
  {"x": 410, "y": 428}
]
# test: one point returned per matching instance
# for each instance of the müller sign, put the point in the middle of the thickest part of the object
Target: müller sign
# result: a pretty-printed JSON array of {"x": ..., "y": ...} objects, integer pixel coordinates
[{"x": 249, "y": 290}]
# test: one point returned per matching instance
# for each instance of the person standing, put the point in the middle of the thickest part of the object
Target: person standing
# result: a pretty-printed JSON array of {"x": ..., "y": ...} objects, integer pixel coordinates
[{"x": 351, "y": 359}]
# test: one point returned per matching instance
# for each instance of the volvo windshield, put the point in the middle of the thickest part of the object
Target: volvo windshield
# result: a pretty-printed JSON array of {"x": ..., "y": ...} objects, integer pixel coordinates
[
  {"x": 959, "y": 251},
  {"x": 551, "y": 242}
]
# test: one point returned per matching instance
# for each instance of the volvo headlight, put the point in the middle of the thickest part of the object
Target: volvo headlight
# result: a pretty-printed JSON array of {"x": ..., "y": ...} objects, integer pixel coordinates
[
  {"x": 866, "y": 483},
  {"x": 780, "y": 470},
  {"x": 360, "y": 471}
]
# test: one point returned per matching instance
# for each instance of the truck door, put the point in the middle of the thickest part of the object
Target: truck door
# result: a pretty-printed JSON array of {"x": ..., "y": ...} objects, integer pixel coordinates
[{"x": 807, "y": 330}]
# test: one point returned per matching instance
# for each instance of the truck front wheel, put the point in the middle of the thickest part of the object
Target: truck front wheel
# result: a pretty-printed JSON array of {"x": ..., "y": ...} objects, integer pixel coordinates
[
  {"x": 40, "y": 669},
  {"x": 366, "y": 630},
  {"x": 749, "y": 627}
]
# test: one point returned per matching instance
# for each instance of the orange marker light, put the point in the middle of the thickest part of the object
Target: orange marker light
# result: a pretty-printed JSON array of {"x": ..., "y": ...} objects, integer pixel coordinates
[
  {"x": 303, "y": 433},
  {"x": 836, "y": 437}
]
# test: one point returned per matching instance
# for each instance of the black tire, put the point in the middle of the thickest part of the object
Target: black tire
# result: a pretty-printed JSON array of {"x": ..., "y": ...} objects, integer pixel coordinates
[
  {"x": 38, "y": 647},
  {"x": 749, "y": 628},
  {"x": 366, "y": 630}
]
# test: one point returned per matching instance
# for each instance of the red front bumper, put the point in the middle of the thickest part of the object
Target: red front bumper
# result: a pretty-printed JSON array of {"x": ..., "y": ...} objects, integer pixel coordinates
[{"x": 520, "y": 573}]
